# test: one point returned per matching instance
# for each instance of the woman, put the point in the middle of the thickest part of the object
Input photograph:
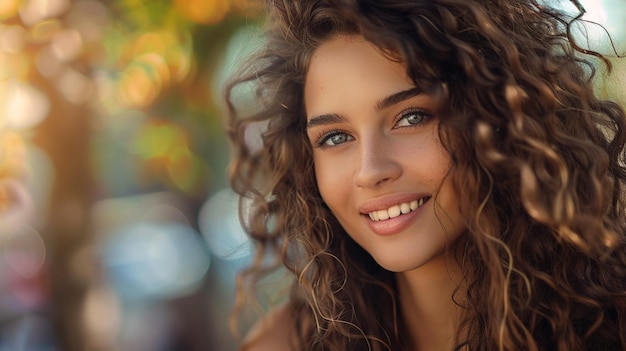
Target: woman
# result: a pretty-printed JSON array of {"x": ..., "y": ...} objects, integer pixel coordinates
[{"x": 436, "y": 175}]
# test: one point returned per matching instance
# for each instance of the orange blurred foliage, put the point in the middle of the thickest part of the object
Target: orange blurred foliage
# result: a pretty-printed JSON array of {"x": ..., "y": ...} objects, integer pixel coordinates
[{"x": 203, "y": 11}]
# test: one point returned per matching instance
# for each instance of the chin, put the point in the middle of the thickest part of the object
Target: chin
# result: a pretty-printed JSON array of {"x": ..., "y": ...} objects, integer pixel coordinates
[
  {"x": 396, "y": 265},
  {"x": 399, "y": 261}
]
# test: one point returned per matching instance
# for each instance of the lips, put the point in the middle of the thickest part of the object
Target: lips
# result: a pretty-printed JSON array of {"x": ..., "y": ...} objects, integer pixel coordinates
[{"x": 397, "y": 210}]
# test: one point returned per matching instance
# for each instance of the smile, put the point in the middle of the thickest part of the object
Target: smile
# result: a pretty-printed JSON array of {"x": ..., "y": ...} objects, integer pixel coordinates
[{"x": 397, "y": 210}]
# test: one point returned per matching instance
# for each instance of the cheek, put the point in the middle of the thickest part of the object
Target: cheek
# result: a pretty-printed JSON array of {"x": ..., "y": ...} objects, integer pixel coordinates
[{"x": 333, "y": 181}]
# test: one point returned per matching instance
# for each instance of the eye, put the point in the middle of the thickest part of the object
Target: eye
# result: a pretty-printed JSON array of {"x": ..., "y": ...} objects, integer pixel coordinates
[
  {"x": 412, "y": 118},
  {"x": 333, "y": 138}
]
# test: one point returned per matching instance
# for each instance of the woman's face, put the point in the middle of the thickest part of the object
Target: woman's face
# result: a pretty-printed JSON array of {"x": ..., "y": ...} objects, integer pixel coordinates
[{"x": 379, "y": 163}]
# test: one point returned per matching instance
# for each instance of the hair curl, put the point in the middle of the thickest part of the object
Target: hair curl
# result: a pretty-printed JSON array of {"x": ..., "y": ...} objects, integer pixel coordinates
[{"x": 538, "y": 158}]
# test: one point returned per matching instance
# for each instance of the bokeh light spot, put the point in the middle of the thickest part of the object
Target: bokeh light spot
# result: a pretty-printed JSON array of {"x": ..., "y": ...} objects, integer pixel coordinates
[
  {"x": 44, "y": 31},
  {"x": 34, "y": 11},
  {"x": 75, "y": 87},
  {"x": 48, "y": 64},
  {"x": 9, "y": 8},
  {"x": 219, "y": 223},
  {"x": 67, "y": 45},
  {"x": 151, "y": 42},
  {"x": 180, "y": 64},
  {"x": 24, "y": 251},
  {"x": 12, "y": 155},
  {"x": 156, "y": 260},
  {"x": 90, "y": 18},
  {"x": 21, "y": 105},
  {"x": 155, "y": 63},
  {"x": 139, "y": 85},
  {"x": 103, "y": 316},
  {"x": 185, "y": 169},
  {"x": 16, "y": 205},
  {"x": 203, "y": 11},
  {"x": 12, "y": 39},
  {"x": 157, "y": 139}
]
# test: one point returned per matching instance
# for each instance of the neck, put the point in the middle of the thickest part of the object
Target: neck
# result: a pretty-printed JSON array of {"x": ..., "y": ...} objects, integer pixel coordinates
[{"x": 431, "y": 316}]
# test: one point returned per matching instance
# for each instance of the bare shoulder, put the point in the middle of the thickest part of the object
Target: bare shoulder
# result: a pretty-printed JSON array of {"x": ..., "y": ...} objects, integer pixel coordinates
[{"x": 272, "y": 332}]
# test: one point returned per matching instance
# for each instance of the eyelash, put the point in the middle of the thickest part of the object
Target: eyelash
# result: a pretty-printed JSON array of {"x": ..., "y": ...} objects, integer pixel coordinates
[
  {"x": 424, "y": 114},
  {"x": 325, "y": 136}
]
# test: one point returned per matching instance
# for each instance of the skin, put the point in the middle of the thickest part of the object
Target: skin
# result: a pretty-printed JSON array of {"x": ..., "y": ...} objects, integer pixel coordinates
[
  {"x": 376, "y": 145},
  {"x": 369, "y": 157}
]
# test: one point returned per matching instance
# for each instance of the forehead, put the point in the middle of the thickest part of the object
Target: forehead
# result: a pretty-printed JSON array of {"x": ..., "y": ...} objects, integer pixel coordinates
[{"x": 349, "y": 65}]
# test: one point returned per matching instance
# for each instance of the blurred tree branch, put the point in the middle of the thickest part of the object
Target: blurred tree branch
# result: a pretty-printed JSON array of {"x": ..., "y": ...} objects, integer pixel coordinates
[{"x": 64, "y": 135}]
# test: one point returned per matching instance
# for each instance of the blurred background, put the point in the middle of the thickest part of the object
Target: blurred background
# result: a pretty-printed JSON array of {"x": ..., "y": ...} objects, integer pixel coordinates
[{"x": 117, "y": 227}]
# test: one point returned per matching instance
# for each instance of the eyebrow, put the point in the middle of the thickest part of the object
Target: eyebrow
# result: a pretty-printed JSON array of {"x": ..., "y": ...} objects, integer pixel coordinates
[
  {"x": 325, "y": 120},
  {"x": 397, "y": 98},
  {"x": 388, "y": 101}
]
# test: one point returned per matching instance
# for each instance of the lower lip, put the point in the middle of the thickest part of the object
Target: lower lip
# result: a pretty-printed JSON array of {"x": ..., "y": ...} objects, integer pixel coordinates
[{"x": 393, "y": 225}]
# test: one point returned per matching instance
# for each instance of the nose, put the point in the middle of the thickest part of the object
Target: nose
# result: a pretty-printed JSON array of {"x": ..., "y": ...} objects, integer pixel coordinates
[{"x": 377, "y": 163}]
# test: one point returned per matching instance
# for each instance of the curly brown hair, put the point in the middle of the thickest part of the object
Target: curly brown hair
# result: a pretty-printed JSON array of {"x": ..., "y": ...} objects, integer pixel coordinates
[{"x": 538, "y": 158}]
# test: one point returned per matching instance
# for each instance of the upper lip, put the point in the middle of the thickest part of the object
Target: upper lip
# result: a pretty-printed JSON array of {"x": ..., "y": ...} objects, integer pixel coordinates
[{"x": 384, "y": 202}]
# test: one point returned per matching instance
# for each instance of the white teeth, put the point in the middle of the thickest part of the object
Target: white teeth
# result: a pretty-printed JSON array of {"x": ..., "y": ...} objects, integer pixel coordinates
[
  {"x": 396, "y": 210},
  {"x": 383, "y": 214},
  {"x": 374, "y": 216}
]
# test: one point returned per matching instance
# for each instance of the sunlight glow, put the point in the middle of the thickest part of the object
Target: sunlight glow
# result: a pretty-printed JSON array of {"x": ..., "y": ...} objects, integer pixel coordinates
[{"x": 21, "y": 105}]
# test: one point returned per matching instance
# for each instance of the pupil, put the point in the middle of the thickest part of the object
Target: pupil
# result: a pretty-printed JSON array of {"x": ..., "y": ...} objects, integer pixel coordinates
[
  {"x": 414, "y": 119},
  {"x": 338, "y": 139}
]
